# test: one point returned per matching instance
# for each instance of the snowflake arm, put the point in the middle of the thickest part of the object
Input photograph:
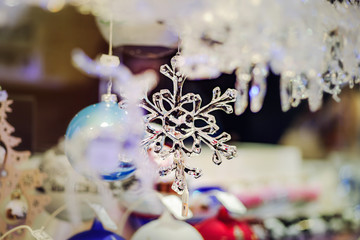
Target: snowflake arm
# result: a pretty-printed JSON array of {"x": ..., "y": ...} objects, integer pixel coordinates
[
  {"x": 166, "y": 170},
  {"x": 160, "y": 97},
  {"x": 177, "y": 77},
  {"x": 219, "y": 147},
  {"x": 147, "y": 105},
  {"x": 153, "y": 138},
  {"x": 220, "y": 102},
  {"x": 192, "y": 98}
]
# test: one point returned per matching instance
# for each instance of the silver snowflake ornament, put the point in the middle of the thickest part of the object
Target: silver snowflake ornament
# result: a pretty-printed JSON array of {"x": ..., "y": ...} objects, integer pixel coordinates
[{"x": 178, "y": 114}]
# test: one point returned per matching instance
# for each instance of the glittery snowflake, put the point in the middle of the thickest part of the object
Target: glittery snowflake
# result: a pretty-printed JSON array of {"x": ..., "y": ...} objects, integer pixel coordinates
[{"x": 178, "y": 124}]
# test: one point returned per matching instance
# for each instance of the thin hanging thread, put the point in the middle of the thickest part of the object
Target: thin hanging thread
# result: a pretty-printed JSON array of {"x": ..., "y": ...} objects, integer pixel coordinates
[
  {"x": 178, "y": 45},
  {"x": 110, "y": 53},
  {"x": 110, "y": 36}
]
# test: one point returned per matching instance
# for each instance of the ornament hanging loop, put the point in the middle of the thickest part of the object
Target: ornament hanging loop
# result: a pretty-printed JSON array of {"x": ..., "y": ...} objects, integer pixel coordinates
[
  {"x": 108, "y": 59},
  {"x": 109, "y": 86}
]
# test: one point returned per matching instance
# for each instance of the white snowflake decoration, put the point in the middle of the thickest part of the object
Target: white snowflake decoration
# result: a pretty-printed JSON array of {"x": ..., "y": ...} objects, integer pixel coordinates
[{"x": 178, "y": 124}]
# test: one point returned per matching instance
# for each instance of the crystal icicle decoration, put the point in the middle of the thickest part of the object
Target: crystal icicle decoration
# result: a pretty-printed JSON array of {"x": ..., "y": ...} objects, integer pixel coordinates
[
  {"x": 315, "y": 92},
  {"x": 257, "y": 77},
  {"x": 335, "y": 76},
  {"x": 242, "y": 85},
  {"x": 178, "y": 124},
  {"x": 296, "y": 87},
  {"x": 286, "y": 89},
  {"x": 293, "y": 89},
  {"x": 258, "y": 88}
]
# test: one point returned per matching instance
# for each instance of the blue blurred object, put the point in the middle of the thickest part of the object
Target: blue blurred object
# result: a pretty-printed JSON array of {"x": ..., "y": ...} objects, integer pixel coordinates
[
  {"x": 124, "y": 171},
  {"x": 97, "y": 232},
  {"x": 137, "y": 220},
  {"x": 207, "y": 189},
  {"x": 204, "y": 204},
  {"x": 95, "y": 138}
]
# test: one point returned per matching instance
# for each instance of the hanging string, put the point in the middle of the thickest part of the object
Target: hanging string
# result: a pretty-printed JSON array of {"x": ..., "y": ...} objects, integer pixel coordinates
[
  {"x": 179, "y": 45},
  {"x": 109, "y": 87},
  {"x": 110, "y": 36}
]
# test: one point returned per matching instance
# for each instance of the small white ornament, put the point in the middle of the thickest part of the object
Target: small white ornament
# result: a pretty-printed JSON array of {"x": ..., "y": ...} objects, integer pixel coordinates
[{"x": 166, "y": 227}]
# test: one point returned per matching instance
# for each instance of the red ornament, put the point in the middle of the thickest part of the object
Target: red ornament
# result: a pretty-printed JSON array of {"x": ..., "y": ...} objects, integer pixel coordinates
[{"x": 224, "y": 227}]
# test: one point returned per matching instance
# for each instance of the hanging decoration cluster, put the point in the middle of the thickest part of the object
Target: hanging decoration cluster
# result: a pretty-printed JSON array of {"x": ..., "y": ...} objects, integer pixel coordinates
[{"x": 313, "y": 45}]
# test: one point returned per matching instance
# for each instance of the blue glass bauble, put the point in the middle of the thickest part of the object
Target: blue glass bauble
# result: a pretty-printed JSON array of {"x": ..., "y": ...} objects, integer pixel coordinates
[
  {"x": 94, "y": 141},
  {"x": 104, "y": 114},
  {"x": 97, "y": 232}
]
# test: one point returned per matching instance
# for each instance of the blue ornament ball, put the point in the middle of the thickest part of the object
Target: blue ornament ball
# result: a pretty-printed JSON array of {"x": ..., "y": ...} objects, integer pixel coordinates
[
  {"x": 94, "y": 141},
  {"x": 97, "y": 232}
]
